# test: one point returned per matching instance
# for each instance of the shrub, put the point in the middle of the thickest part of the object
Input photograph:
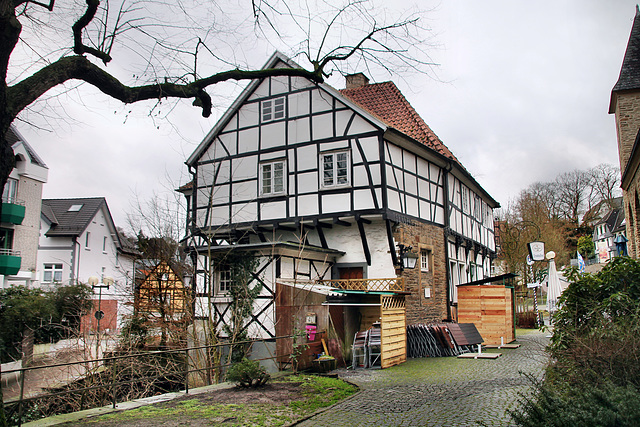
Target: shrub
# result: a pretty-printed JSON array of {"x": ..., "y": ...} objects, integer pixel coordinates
[
  {"x": 594, "y": 375},
  {"x": 248, "y": 373},
  {"x": 609, "y": 405},
  {"x": 597, "y": 329}
]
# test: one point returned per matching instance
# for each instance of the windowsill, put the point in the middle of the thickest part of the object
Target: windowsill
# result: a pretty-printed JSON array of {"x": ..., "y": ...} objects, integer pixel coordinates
[
  {"x": 279, "y": 119},
  {"x": 274, "y": 197},
  {"x": 335, "y": 187}
]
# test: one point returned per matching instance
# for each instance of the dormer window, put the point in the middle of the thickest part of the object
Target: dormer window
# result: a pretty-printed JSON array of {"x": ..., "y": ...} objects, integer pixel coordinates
[{"x": 273, "y": 109}]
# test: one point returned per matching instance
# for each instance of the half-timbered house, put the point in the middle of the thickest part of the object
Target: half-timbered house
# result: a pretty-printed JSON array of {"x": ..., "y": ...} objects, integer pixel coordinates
[{"x": 331, "y": 188}]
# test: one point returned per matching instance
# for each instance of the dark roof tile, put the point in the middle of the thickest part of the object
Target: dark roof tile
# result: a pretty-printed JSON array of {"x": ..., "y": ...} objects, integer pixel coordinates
[
  {"x": 629, "y": 78},
  {"x": 67, "y": 223}
]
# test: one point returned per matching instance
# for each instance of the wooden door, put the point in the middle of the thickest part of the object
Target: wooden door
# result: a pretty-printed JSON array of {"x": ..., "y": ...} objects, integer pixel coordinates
[{"x": 350, "y": 273}]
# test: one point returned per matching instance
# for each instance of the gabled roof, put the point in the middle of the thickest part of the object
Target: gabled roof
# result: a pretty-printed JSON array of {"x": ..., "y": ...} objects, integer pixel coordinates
[
  {"x": 629, "y": 78},
  {"x": 276, "y": 60},
  {"x": 385, "y": 101},
  {"x": 382, "y": 105},
  {"x": 14, "y": 138},
  {"x": 66, "y": 223},
  {"x": 597, "y": 213}
]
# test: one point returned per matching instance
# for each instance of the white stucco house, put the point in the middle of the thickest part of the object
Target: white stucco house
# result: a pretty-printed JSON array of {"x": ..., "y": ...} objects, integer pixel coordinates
[
  {"x": 79, "y": 240},
  {"x": 328, "y": 187},
  {"x": 20, "y": 221}
]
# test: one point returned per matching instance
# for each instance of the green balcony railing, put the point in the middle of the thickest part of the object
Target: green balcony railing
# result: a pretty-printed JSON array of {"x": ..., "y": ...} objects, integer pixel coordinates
[
  {"x": 12, "y": 212},
  {"x": 10, "y": 262}
]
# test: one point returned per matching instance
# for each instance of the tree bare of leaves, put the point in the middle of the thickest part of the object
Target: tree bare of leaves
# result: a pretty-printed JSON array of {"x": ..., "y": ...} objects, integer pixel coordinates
[
  {"x": 175, "y": 68},
  {"x": 559, "y": 212}
]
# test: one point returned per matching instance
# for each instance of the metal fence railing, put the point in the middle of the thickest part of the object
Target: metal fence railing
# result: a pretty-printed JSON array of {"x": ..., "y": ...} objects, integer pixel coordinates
[{"x": 49, "y": 389}]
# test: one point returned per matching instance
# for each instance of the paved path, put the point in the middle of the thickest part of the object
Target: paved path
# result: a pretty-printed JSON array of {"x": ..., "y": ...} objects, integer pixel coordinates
[{"x": 444, "y": 391}]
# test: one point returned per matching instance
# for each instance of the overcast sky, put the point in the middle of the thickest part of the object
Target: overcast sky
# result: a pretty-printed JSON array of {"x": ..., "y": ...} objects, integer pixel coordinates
[{"x": 521, "y": 95}]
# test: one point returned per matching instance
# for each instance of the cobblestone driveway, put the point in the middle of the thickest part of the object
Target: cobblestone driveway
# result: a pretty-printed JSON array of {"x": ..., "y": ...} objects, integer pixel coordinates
[{"x": 442, "y": 391}]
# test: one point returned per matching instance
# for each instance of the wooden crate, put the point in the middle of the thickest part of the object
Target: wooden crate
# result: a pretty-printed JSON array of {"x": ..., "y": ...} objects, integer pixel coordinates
[{"x": 490, "y": 308}]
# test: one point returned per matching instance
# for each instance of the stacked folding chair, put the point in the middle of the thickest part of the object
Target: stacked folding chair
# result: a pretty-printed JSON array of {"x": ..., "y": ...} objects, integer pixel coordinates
[
  {"x": 442, "y": 339},
  {"x": 374, "y": 346},
  {"x": 359, "y": 350}
]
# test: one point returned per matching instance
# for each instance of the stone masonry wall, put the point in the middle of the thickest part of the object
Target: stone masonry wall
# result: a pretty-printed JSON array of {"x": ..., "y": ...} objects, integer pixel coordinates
[
  {"x": 627, "y": 125},
  {"x": 631, "y": 205},
  {"x": 433, "y": 308}
]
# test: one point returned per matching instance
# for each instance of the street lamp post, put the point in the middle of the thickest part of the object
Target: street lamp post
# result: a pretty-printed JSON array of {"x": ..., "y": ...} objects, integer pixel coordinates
[{"x": 95, "y": 284}]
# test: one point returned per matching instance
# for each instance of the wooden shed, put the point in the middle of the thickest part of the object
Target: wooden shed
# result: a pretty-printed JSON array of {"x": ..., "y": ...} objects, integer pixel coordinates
[
  {"x": 489, "y": 304},
  {"x": 341, "y": 313},
  {"x": 359, "y": 303}
]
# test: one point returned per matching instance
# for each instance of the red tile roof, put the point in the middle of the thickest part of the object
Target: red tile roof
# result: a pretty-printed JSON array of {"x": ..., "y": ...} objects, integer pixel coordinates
[{"x": 386, "y": 102}]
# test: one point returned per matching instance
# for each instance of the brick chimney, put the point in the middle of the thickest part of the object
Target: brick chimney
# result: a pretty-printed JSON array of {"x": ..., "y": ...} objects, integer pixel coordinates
[{"x": 356, "y": 80}]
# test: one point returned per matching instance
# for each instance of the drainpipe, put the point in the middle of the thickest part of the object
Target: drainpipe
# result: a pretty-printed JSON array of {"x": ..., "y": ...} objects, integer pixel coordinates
[
  {"x": 72, "y": 274},
  {"x": 75, "y": 262}
]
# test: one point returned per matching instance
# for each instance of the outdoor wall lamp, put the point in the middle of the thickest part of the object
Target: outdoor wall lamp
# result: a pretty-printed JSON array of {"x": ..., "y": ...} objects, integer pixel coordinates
[{"x": 408, "y": 259}]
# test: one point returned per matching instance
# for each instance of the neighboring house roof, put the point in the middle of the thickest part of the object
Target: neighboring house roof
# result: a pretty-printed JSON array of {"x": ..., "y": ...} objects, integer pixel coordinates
[
  {"x": 385, "y": 101},
  {"x": 629, "y": 78},
  {"x": 621, "y": 224},
  {"x": 614, "y": 221},
  {"x": 66, "y": 222},
  {"x": 14, "y": 138},
  {"x": 186, "y": 188},
  {"x": 595, "y": 215},
  {"x": 128, "y": 245}
]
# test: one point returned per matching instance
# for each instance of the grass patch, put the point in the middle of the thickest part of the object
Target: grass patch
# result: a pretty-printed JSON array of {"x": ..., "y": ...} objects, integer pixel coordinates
[
  {"x": 314, "y": 393},
  {"x": 322, "y": 392}
]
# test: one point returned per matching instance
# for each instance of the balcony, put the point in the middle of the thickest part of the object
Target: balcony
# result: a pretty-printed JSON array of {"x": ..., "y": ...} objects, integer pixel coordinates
[
  {"x": 366, "y": 285},
  {"x": 13, "y": 211},
  {"x": 10, "y": 262}
]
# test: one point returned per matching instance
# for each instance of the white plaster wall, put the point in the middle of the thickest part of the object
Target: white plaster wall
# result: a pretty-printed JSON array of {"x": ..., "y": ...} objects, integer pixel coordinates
[
  {"x": 93, "y": 261},
  {"x": 347, "y": 239}
]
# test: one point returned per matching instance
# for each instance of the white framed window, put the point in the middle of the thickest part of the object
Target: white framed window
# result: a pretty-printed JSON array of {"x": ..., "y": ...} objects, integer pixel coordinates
[
  {"x": 52, "y": 273},
  {"x": 104, "y": 244},
  {"x": 6, "y": 239},
  {"x": 87, "y": 240},
  {"x": 335, "y": 169},
  {"x": 425, "y": 256},
  {"x": 273, "y": 109},
  {"x": 463, "y": 274},
  {"x": 10, "y": 193},
  {"x": 224, "y": 279},
  {"x": 465, "y": 199},
  {"x": 272, "y": 178}
]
